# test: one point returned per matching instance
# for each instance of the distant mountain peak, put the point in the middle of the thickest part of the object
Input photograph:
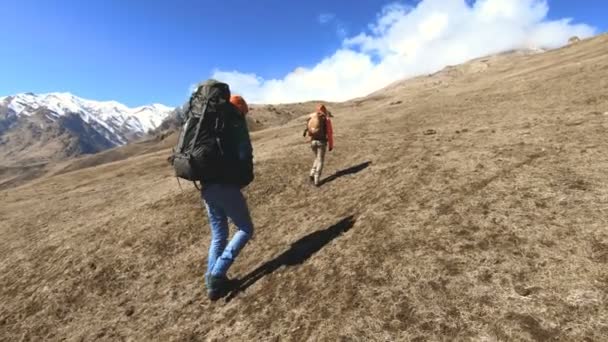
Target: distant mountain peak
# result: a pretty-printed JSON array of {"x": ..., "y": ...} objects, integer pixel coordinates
[
  {"x": 114, "y": 116},
  {"x": 62, "y": 124}
]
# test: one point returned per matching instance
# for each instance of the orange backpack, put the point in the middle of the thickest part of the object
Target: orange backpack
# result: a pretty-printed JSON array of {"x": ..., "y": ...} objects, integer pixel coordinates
[
  {"x": 316, "y": 126},
  {"x": 319, "y": 127}
]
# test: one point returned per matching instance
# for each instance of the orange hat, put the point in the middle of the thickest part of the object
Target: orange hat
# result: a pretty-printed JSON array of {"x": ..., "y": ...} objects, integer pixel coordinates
[
  {"x": 321, "y": 109},
  {"x": 239, "y": 103}
]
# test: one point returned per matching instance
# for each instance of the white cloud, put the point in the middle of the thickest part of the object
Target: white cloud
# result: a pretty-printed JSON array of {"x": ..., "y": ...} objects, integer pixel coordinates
[
  {"x": 330, "y": 19},
  {"x": 325, "y": 18},
  {"x": 408, "y": 41}
]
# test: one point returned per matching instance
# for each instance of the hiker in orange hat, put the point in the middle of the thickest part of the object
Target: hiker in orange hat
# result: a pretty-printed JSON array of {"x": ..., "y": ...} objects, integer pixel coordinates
[
  {"x": 239, "y": 102},
  {"x": 223, "y": 201},
  {"x": 319, "y": 133}
]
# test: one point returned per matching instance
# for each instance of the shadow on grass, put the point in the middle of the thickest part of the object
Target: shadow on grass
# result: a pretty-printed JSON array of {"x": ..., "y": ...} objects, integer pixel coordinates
[
  {"x": 298, "y": 253},
  {"x": 351, "y": 170}
]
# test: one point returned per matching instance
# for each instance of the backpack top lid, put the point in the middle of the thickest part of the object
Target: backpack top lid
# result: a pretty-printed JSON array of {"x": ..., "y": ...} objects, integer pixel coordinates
[
  {"x": 215, "y": 91},
  {"x": 213, "y": 88},
  {"x": 239, "y": 102}
]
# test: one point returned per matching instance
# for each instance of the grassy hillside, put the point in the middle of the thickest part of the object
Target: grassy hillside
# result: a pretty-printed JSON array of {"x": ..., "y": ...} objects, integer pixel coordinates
[{"x": 470, "y": 204}]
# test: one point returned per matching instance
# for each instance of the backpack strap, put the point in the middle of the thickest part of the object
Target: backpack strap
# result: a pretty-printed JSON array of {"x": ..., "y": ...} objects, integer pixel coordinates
[
  {"x": 188, "y": 115},
  {"x": 199, "y": 124},
  {"x": 220, "y": 123},
  {"x": 180, "y": 145},
  {"x": 196, "y": 186}
]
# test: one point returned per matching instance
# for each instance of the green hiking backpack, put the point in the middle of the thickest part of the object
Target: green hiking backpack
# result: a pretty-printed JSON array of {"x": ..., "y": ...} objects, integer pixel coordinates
[{"x": 214, "y": 144}]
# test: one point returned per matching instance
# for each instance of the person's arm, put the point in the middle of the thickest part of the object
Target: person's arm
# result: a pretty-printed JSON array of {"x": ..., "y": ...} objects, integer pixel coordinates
[
  {"x": 306, "y": 129},
  {"x": 329, "y": 130}
]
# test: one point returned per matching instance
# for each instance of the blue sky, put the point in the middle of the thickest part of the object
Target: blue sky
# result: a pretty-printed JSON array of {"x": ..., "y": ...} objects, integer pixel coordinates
[{"x": 144, "y": 51}]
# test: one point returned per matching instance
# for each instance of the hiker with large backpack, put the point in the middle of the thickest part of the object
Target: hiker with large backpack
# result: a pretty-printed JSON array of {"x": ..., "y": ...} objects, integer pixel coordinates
[
  {"x": 319, "y": 133},
  {"x": 214, "y": 149}
]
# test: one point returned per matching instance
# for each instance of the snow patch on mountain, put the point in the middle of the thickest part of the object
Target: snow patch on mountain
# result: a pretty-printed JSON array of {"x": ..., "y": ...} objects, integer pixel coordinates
[{"x": 110, "y": 116}]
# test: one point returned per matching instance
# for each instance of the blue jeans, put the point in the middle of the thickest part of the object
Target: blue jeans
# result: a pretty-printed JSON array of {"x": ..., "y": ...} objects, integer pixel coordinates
[{"x": 225, "y": 201}]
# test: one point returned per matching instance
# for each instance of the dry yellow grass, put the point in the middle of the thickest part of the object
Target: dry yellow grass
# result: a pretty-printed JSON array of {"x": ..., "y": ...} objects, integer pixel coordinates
[{"x": 469, "y": 205}]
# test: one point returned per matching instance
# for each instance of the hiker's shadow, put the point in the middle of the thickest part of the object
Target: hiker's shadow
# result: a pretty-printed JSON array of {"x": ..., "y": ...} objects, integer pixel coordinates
[
  {"x": 349, "y": 171},
  {"x": 299, "y": 252}
]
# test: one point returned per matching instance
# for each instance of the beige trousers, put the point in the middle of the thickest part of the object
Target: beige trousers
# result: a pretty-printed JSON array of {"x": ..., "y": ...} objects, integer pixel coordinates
[{"x": 318, "y": 148}]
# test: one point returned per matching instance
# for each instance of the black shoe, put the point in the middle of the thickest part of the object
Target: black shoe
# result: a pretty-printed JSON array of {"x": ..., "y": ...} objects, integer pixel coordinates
[
  {"x": 311, "y": 179},
  {"x": 218, "y": 287}
]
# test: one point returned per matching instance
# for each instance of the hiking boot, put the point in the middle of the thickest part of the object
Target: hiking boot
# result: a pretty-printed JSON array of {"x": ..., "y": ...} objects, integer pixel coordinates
[{"x": 219, "y": 286}]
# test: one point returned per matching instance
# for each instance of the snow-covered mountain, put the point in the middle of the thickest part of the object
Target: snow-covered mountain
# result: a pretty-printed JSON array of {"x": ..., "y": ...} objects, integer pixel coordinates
[
  {"x": 117, "y": 122},
  {"x": 41, "y": 127}
]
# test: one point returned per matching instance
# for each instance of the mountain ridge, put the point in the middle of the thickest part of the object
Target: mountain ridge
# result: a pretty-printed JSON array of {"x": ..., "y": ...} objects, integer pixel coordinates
[
  {"x": 57, "y": 122},
  {"x": 140, "y": 119}
]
